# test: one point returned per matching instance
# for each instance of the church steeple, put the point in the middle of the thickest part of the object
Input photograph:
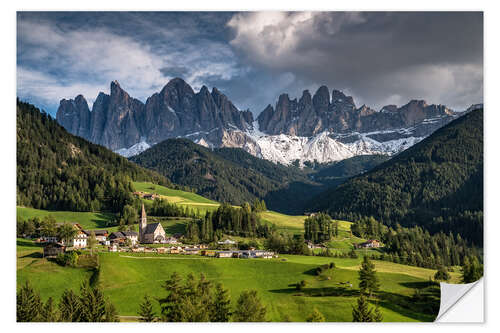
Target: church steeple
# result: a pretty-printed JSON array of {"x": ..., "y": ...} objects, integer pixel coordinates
[{"x": 142, "y": 224}]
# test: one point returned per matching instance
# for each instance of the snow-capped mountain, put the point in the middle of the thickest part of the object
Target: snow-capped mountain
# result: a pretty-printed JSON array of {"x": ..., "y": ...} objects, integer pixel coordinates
[{"x": 320, "y": 127}]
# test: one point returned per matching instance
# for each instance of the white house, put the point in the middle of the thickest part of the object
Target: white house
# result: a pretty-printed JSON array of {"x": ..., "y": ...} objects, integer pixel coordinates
[
  {"x": 227, "y": 242},
  {"x": 132, "y": 235}
]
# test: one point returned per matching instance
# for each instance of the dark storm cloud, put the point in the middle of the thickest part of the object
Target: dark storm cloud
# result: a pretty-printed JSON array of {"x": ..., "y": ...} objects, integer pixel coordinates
[{"x": 379, "y": 58}]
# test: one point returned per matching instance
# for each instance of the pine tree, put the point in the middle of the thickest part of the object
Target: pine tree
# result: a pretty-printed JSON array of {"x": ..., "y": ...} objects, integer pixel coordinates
[
  {"x": 92, "y": 242},
  {"x": 368, "y": 281},
  {"x": 111, "y": 315},
  {"x": 377, "y": 314},
  {"x": 49, "y": 313},
  {"x": 221, "y": 306},
  {"x": 472, "y": 270},
  {"x": 93, "y": 304},
  {"x": 29, "y": 305},
  {"x": 69, "y": 306},
  {"x": 362, "y": 312},
  {"x": 146, "y": 312},
  {"x": 249, "y": 308},
  {"x": 171, "y": 305},
  {"x": 441, "y": 274},
  {"x": 315, "y": 316}
]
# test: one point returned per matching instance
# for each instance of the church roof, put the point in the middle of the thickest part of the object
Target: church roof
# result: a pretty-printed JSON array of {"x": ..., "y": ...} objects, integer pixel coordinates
[{"x": 150, "y": 228}]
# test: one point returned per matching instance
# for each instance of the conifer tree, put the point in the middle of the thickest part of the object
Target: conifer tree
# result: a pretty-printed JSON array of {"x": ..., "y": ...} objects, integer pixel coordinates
[
  {"x": 362, "y": 312},
  {"x": 442, "y": 274},
  {"x": 472, "y": 270},
  {"x": 49, "y": 313},
  {"x": 29, "y": 305},
  {"x": 111, "y": 315},
  {"x": 92, "y": 242},
  {"x": 171, "y": 306},
  {"x": 146, "y": 312},
  {"x": 69, "y": 306},
  {"x": 368, "y": 281},
  {"x": 221, "y": 306},
  {"x": 93, "y": 304},
  {"x": 315, "y": 316},
  {"x": 249, "y": 308},
  {"x": 377, "y": 314}
]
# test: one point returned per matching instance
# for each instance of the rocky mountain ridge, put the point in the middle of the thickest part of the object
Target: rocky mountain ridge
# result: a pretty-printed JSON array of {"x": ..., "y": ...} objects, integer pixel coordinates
[
  {"x": 119, "y": 121},
  {"x": 319, "y": 128}
]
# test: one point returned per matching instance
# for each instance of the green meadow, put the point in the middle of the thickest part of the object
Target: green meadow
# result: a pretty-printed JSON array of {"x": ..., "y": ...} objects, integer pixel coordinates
[
  {"x": 87, "y": 220},
  {"x": 127, "y": 277}
]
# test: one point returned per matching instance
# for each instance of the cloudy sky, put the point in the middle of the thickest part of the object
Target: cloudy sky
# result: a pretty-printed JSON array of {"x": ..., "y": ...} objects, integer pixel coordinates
[{"x": 380, "y": 58}]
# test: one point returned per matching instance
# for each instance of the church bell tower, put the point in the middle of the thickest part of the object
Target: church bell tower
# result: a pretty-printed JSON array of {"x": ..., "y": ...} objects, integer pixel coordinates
[{"x": 142, "y": 224}]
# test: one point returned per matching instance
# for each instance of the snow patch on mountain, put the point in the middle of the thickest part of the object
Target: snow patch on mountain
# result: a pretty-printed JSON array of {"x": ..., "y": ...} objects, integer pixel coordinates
[
  {"x": 323, "y": 147},
  {"x": 134, "y": 150}
]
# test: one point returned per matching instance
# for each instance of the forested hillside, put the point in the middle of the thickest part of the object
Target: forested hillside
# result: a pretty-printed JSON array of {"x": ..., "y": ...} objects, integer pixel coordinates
[
  {"x": 59, "y": 171},
  {"x": 336, "y": 173},
  {"x": 437, "y": 183},
  {"x": 228, "y": 174}
]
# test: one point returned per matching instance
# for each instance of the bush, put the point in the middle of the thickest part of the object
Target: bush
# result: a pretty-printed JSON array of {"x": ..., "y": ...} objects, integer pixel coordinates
[{"x": 67, "y": 259}]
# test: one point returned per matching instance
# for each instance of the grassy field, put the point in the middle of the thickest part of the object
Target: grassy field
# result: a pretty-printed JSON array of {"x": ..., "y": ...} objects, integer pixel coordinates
[
  {"x": 87, "y": 220},
  {"x": 47, "y": 276},
  {"x": 126, "y": 277}
]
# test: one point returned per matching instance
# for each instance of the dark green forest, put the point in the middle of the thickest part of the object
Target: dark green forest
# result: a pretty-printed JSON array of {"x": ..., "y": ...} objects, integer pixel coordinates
[
  {"x": 235, "y": 176},
  {"x": 60, "y": 171},
  {"x": 415, "y": 246},
  {"x": 436, "y": 184},
  {"x": 226, "y": 175}
]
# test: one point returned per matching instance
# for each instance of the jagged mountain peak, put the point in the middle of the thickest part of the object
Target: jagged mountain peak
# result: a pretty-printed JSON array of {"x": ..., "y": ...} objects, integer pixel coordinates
[{"x": 121, "y": 121}]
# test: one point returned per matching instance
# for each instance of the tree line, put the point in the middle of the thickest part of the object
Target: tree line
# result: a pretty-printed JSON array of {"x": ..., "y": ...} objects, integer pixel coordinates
[
  {"x": 59, "y": 171},
  {"x": 45, "y": 227},
  {"x": 416, "y": 246},
  {"x": 89, "y": 306},
  {"x": 320, "y": 228}
]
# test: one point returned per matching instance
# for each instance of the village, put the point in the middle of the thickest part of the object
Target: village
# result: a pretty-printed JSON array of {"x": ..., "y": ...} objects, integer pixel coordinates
[{"x": 146, "y": 241}]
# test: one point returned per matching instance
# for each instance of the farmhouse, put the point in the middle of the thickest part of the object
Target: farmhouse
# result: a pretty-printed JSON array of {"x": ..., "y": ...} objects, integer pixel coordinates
[
  {"x": 53, "y": 249},
  {"x": 368, "y": 244},
  {"x": 150, "y": 233},
  {"x": 208, "y": 253},
  {"x": 80, "y": 240},
  {"x": 191, "y": 250},
  {"x": 122, "y": 236},
  {"x": 100, "y": 235},
  {"x": 48, "y": 239},
  {"x": 224, "y": 254}
]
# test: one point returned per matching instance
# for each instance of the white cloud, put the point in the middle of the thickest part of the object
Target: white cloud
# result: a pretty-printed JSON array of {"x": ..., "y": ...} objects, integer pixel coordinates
[
  {"x": 56, "y": 64},
  {"x": 50, "y": 90}
]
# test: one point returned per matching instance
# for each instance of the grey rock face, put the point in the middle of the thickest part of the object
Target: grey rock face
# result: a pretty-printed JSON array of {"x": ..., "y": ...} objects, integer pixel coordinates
[
  {"x": 339, "y": 114},
  {"x": 120, "y": 121}
]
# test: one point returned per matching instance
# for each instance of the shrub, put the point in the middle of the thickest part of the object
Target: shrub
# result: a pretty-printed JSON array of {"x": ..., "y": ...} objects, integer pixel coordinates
[{"x": 67, "y": 259}]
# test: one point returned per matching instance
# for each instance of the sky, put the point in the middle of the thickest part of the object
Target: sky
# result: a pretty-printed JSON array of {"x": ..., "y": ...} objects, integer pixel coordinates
[{"x": 379, "y": 58}]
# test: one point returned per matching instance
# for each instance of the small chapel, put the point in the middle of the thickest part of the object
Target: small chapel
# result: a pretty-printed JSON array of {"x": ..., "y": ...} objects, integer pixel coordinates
[{"x": 150, "y": 233}]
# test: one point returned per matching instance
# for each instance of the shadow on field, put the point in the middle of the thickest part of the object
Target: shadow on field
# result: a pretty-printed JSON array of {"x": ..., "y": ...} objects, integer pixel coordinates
[
  {"x": 103, "y": 220},
  {"x": 22, "y": 242},
  {"x": 33, "y": 255},
  {"x": 177, "y": 228},
  {"x": 318, "y": 292},
  {"x": 425, "y": 307},
  {"x": 311, "y": 271},
  {"x": 417, "y": 285}
]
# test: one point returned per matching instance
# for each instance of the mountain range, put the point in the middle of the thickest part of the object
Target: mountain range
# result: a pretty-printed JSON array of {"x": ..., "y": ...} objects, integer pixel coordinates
[{"x": 315, "y": 128}]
